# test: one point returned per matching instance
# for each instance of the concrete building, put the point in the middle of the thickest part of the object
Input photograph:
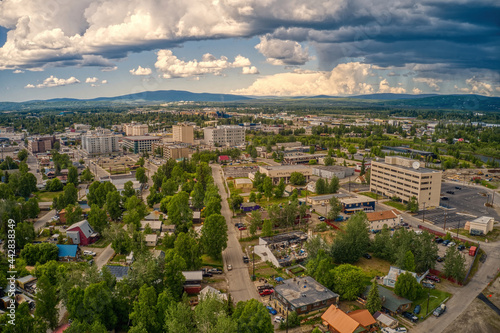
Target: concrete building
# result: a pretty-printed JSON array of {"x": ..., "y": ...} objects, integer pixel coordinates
[
  {"x": 183, "y": 133},
  {"x": 333, "y": 170},
  {"x": 302, "y": 295},
  {"x": 243, "y": 183},
  {"x": 297, "y": 158},
  {"x": 135, "y": 129},
  {"x": 138, "y": 144},
  {"x": 481, "y": 226},
  {"x": 377, "y": 220},
  {"x": 405, "y": 178},
  {"x": 100, "y": 142},
  {"x": 226, "y": 135},
  {"x": 171, "y": 151},
  {"x": 42, "y": 144},
  {"x": 276, "y": 173}
]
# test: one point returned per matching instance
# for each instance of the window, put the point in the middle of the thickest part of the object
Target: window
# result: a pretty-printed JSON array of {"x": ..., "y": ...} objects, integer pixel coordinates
[{"x": 304, "y": 308}]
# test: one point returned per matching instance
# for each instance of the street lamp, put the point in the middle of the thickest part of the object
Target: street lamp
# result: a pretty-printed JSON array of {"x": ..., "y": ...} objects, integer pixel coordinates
[{"x": 253, "y": 263}]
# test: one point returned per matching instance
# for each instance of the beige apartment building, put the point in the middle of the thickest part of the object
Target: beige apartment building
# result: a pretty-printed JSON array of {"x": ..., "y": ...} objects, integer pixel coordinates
[
  {"x": 183, "y": 133},
  {"x": 276, "y": 173},
  {"x": 171, "y": 151},
  {"x": 135, "y": 129},
  {"x": 405, "y": 178},
  {"x": 225, "y": 135}
]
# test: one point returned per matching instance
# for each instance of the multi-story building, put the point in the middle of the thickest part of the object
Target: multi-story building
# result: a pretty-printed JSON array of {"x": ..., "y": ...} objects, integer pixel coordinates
[
  {"x": 135, "y": 129},
  {"x": 405, "y": 178},
  {"x": 276, "y": 173},
  {"x": 100, "y": 142},
  {"x": 183, "y": 133},
  {"x": 225, "y": 135},
  {"x": 42, "y": 144},
  {"x": 137, "y": 144},
  {"x": 333, "y": 171},
  {"x": 171, "y": 151}
]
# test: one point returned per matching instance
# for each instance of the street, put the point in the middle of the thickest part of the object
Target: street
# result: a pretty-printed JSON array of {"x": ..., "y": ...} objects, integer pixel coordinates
[
  {"x": 41, "y": 222},
  {"x": 104, "y": 257},
  {"x": 241, "y": 287}
]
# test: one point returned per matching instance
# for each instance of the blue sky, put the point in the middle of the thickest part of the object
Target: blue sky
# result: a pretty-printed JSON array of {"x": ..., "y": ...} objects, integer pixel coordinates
[{"x": 92, "y": 48}]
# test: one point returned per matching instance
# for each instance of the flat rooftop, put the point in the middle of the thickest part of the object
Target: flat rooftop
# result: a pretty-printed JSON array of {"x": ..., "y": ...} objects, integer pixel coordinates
[
  {"x": 141, "y": 138},
  {"x": 332, "y": 167},
  {"x": 419, "y": 170},
  {"x": 286, "y": 167},
  {"x": 304, "y": 291}
]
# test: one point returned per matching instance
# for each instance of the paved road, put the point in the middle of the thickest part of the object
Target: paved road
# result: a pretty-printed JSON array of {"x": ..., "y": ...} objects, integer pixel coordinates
[
  {"x": 240, "y": 285},
  {"x": 103, "y": 258},
  {"x": 33, "y": 167},
  {"x": 41, "y": 222}
]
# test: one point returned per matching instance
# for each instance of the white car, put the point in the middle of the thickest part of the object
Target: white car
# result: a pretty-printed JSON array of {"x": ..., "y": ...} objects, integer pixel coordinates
[
  {"x": 279, "y": 319},
  {"x": 451, "y": 244},
  {"x": 89, "y": 253}
]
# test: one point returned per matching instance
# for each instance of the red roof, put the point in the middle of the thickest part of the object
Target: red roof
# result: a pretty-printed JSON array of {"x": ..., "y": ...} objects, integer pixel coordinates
[{"x": 223, "y": 158}]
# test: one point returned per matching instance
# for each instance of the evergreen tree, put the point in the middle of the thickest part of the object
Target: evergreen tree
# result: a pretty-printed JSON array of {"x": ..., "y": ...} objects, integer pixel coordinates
[
  {"x": 46, "y": 302},
  {"x": 373, "y": 302}
]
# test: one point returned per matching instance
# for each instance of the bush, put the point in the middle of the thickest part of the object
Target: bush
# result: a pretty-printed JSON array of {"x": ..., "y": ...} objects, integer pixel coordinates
[{"x": 321, "y": 227}]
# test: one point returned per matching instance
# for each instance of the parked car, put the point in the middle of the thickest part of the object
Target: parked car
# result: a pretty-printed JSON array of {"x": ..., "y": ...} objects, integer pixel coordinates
[
  {"x": 246, "y": 260},
  {"x": 229, "y": 267},
  {"x": 458, "y": 188},
  {"x": 410, "y": 316},
  {"x": 461, "y": 247},
  {"x": 89, "y": 253},
  {"x": 450, "y": 192},
  {"x": 444, "y": 198},
  {"x": 401, "y": 329},
  {"x": 433, "y": 278},
  {"x": 404, "y": 224},
  {"x": 279, "y": 319},
  {"x": 321, "y": 218},
  {"x": 215, "y": 271},
  {"x": 367, "y": 256},
  {"x": 428, "y": 285},
  {"x": 207, "y": 274},
  {"x": 438, "y": 240},
  {"x": 440, "y": 259},
  {"x": 451, "y": 244},
  {"x": 417, "y": 309},
  {"x": 242, "y": 228},
  {"x": 439, "y": 310},
  {"x": 266, "y": 292},
  {"x": 446, "y": 242},
  {"x": 271, "y": 310}
]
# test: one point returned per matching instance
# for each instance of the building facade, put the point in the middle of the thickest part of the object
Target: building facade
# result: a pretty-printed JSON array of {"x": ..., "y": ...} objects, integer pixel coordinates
[
  {"x": 276, "y": 173},
  {"x": 170, "y": 151},
  {"x": 183, "y": 133},
  {"x": 100, "y": 142},
  {"x": 334, "y": 170},
  {"x": 404, "y": 178},
  {"x": 135, "y": 129},
  {"x": 377, "y": 220},
  {"x": 42, "y": 144},
  {"x": 137, "y": 144},
  {"x": 226, "y": 135}
]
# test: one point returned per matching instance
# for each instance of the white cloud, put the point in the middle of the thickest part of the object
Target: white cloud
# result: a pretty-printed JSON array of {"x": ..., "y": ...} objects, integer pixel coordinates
[
  {"x": 141, "y": 71},
  {"x": 477, "y": 87},
  {"x": 173, "y": 67},
  {"x": 416, "y": 91},
  {"x": 432, "y": 83},
  {"x": 104, "y": 81},
  {"x": 250, "y": 70},
  {"x": 282, "y": 52},
  {"x": 18, "y": 71},
  {"x": 53, "y": 81},
  {"x": 91, "y": 80},
  {"x": 344, "y": 79},
  {"x": 384, "y": 87}
]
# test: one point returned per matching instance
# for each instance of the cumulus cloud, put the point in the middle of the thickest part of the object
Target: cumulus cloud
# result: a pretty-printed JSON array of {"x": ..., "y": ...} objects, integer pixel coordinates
[
  {"x": 173, "y": 67},
  {"x": 91, "y": 80},
  {"x": 282, "y": 52},
  {"x": 104, "y": 81},
  {"x": 384, "y": 87},
  {"x": 250, "y": 70},
  {"x": 474, "y": 86},
  {"x": 141, "y": 71},
  {"x": 416, "y": 91},
  {"x": 18, "y": 71},
  {"x": 432, "y": 83},
  {"x": 53, "y": 81},
  {"x": 344, "y": 79}
]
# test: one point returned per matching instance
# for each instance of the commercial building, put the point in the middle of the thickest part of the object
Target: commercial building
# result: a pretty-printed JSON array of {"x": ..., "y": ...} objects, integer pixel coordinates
[
  {"x": 297, "y": 158},
  {"x": 377, "y": 220},
  {"x": 243, "y": 183},
  {"x": 334, "y": 170},
  {"x": 276, "y": 173},
  {"x": 171, "y": 151},
  {"x": 302, "y": 295},
  {"x": 356, "y": 204},
  {"x": 42, "y": 144},
  {"x": 226, "y": 135},
  {"x": 135, "y": 129},
  {"x": 183, "y": 133},
  {"x": 138, "y": 144},
  {"x": 481, "y": 226},
  {"x": 405, "y": 178},
  {"x": 100, "y": 142}
]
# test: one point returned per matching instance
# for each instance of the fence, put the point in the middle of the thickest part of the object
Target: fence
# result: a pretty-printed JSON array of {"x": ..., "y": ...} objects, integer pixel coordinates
[
  {"x": 441, "y": 234},
  {"x": 473, "y": 261}
]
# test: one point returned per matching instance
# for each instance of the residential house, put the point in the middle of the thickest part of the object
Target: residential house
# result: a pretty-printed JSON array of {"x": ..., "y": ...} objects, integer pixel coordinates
[
  {"x": 390, "y": 301},
  {"x": 151, "y": 239},
  {"x": 394, "y": 272},
  {"x": 208, "y": 290},
  {"x": 82, "y": 233},
  {"x": 377, "y": 220},
  {"x": 223, "y": 159},
  {"x": 249, "y": 206},
  {"x": 156, "y": 226},
  {"x": 338, "y": 321},
  {"x": 67, "y": 252},
  {"x": 119, "y": 272},
  {"x": 192, "y": 283}
]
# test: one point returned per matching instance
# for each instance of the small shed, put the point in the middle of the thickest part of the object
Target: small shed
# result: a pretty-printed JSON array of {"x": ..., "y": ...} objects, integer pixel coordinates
[
  {"x": 151, "y": 240},
  {"x": 385, "y": 320}
]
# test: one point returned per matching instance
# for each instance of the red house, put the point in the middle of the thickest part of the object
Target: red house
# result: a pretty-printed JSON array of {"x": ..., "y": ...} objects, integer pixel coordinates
[
  {"x": 81, "y": 233},
  {"x": 223, "y": 159}
]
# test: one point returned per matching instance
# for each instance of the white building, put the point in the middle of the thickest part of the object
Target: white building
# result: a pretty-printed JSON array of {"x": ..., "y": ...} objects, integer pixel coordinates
[
  {"x": 138, "y": 144},
  {"x": 391, "y": 218},
  {"x": 334, "y": 170},
  {"x": 481, "y": 226},
  {"x": 226, "y": 135},
  {"x": 134, "y": 129},
  {"x": 100, "y": 142}
]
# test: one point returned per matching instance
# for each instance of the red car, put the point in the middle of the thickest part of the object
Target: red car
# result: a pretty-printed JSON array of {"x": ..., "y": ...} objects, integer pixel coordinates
[
  {"x": 242, "y": 228},
  {"x": 433, "y": 278},
  {"x": 266, "y": 292}
]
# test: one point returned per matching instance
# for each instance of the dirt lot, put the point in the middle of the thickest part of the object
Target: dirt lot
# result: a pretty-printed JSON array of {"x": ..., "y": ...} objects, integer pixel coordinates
[
  {"x": 119, "y": 163},
  {"x": 479, "y": 317}
]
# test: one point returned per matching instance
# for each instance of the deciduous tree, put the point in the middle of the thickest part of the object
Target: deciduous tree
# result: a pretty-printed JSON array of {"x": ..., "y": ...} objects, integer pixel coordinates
[
  {"x": 46, "y": 302},
  {"x": 348, "y": 281},
  {"x": 351, "y": 244},
  {"x": 407, "y": 286},
  {"x": 214, "y": 235}
]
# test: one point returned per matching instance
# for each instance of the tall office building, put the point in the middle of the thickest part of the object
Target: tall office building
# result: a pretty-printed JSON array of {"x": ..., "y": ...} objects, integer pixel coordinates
[
  {"x": 42, "y": 144},
  {"x": 225, "y": 135},
  {"x": 405, "y": 178},
  {"x": 183, "y": 133},
  {"x": 100, "y": 142},
  {"x": 135, "y": 129}
]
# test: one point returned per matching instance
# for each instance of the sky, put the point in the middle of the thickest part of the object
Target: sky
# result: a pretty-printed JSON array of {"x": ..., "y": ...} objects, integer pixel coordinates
[{"x": 93, "y": 48}]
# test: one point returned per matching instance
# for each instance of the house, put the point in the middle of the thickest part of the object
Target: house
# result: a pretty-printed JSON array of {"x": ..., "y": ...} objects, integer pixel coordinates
[
  {"x": 394, "y": 272},
  {"x": 214, "y": 292},
  {"x": 360, "y": 180},
  {"x": 340, "y": 322},
  {"x": 156, "y": 226},
  {"x": 311, "y": 186},
  {"x": 119, "y": 272},
  {"x": 154, "y": 216},
  {"x": 223, "y": 159},
  {"x": 151, "y": 239},
  {"x": 192, "y": 283},
  {"x": 377, "y": 220},
  {"x": 302, "y": 295},
  {"x": 196, "y": 217},
  {"x": 130, "y": 258},
  {"x": 390, "y": 301},
  {"x": 481, "y": 226},
  {"x": 82, "y": 233},
  {"x": 26, "y": 282},
  {"x": 243, "y": 183},
  {"x": 249, "y": 206},
  {"x": 67, "y": 252},
  {"x": 355, "y": 204},
  {"x": 158, "y": 254},
  {"x": 385, "y": 320}
]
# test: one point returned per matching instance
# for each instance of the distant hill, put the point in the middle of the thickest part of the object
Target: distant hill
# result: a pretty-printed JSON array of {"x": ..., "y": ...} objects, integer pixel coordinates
[
  {"x": 389, "y": 96},
  {"x": 174, "y": 96},
  {"x": 450, "y": 102}
]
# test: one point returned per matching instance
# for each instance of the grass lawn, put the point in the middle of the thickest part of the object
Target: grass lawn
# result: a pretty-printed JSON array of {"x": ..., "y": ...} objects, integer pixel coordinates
[
  {"x": 119, "y": 257},
  {"x": 372, "y": 195},
  {"x": 101, "y": 243},
  {"x": 374, "y": 266},
  {"x": 488, "y": 184},
  {"x": 397, "y": 205},
  {"x": 492, "y": 236},
  {"x": 435, "y": 299},
  {"x": 266, "y": 270},
  {"x": 47, "y": 196},
  {"x": 206, "y": 260}
]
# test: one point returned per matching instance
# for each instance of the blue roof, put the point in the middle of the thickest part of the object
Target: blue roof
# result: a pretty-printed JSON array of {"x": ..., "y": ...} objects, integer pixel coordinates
[{"x": 67, "y": 250}]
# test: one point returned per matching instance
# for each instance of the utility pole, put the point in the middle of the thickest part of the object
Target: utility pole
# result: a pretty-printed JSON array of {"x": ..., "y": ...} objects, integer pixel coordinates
[
  {"x": 445, "y": 221},
  {"x": 428, "y": 296},
  {"x": 423, "y": 214},
  {"x": 253, "y": 261},
  {"x": 458, "y": 228}
]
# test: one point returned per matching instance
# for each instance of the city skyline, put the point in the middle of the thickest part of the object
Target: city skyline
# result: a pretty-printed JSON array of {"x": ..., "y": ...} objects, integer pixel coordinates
[{"x": 52, "y": 49}]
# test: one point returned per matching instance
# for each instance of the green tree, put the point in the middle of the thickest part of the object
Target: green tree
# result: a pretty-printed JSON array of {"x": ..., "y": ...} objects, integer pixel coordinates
[
  {"x": 98, "y": 304},
  {"x": 373, "y": 301},
  {"x": 27, "y": 184},
  {"x": 350, "y": 245},
  {"x": 54, "y": 185},
  {"x": 320, "y": 186},
  {"x": 86, "y": 175},
  {"x": 128, "y": 190},
  {"x": 348, "y": 281},
  {"x": 267, "y": 228},
  {"x": 31, "y": 208},
  {"x": 140, "y": 175},
  {"x": 329, "y": 161},
  {"x": 252, "y": 197},
  {"x": 214, "y": 235},
  {"x": 235, "y": 200},
  {"x": 169, "y": 187},
  {"x": 141, "y": 162},
  {"x": 454, "y": 265},
  {"x": 39, "y": 253},
  {"x": 73, "y": 175},
  {"x": 252, "y": 316},
  {"x": 255, "y": 222},
  {"x": 280, "y": 189},
  {"x": 73, "y": 214},
  {"x": 213, "y": 205},
  {"x": 296, "y": 178},
  {"x": 268, "y": 187},
  {"x": 144, "y": 310},
  {"x": 70, "y": 195},
  {"x": 311, "y": 150},
  {"x": 179, "y": 318},
  {"x": 46, "y": 302},
  {"x": 179, "y": 212},
  {"x": 113, "y": 205},
  {"x": 24, "y": 321},
  {"x": 382, "y": 244},
  {"x": 22, "y": 155},
  {"x": 25, "y": 233},
  {"x": 335, "y": 208},
  {"x": 412, "y": 205},
  {"x": 334, "y": 185},
  {"x": 173, "y": 277},
  {"x": 98, "y": 218},
  {"x": 409, "y": 262},
  {"x": 407, "y": 286},
  {"x": 188, "y": 248}
]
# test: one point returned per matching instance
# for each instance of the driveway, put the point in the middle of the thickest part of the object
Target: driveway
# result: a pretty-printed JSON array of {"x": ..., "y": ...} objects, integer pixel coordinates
[
  {"x": 103, "y": 258},
  {"x": 41, "y": 222},
  {"x": 240, "y": 285}
]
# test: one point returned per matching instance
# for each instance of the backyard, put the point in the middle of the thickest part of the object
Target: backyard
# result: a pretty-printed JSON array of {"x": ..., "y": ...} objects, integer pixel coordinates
[
  {"x": 435, "y": 298},
  {"x": 44, "y": 196}
]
